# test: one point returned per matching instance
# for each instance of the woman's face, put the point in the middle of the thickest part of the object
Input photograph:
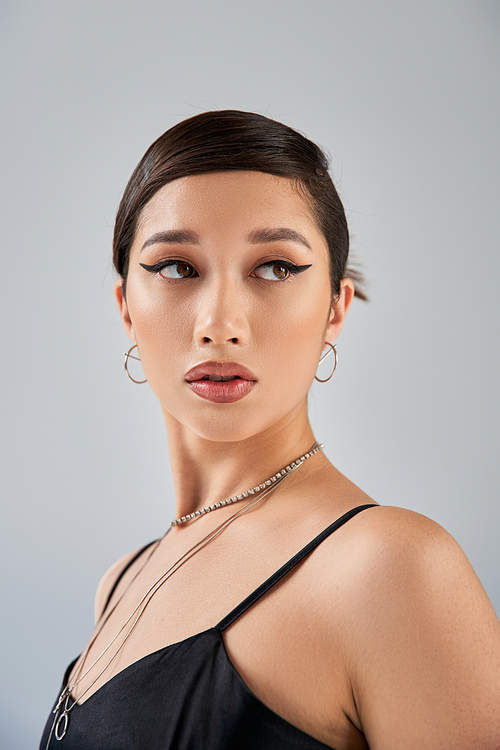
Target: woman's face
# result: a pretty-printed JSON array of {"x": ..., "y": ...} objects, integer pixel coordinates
[{"x": 236, "y": 286}]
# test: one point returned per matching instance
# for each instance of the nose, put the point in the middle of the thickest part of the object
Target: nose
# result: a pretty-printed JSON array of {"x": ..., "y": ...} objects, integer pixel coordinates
[{"x": 221, "y": 317}]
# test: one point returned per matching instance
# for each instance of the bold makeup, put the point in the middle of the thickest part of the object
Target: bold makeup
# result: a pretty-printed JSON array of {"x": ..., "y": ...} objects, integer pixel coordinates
[
  {"x": 187, "y": 271},
  {"x": 221, "y": 382}
]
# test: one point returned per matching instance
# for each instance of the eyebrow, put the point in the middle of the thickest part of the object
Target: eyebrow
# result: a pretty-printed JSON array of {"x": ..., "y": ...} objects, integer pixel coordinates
[
  {"x": 257, "y": 237},
  {"x": 173, "y": 236},
  {"x": 262, "y": 236}
]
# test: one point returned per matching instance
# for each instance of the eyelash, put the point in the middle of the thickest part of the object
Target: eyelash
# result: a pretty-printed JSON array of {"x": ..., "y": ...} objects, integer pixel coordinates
[{"x": 292, "y": 269}]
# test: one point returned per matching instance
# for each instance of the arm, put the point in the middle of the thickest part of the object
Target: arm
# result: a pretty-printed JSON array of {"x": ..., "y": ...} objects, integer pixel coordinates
[{"x": 424, "y": 651}]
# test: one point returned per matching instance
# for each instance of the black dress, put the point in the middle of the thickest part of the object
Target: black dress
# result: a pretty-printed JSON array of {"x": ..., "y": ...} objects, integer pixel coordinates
[{"x": 186, "y": 696}]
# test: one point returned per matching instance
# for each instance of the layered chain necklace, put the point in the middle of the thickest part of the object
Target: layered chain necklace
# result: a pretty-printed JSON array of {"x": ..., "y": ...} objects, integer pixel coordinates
[
  {"x": 66, "y": 702},
  {"x": 279, "y": 476}
]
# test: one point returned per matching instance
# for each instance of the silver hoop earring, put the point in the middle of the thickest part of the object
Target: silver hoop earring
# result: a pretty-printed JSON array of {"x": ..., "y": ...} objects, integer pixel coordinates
[
  {"x": 125, "y": 364},
  {"x": 333, "y": 348}
]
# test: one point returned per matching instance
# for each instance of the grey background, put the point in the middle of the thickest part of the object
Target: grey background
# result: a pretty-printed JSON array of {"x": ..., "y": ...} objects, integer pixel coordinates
[{"x": 405, "y": 98}]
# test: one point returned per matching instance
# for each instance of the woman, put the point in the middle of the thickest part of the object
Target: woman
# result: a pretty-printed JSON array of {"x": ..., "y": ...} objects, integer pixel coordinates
[{"x": 231, "y": 246}]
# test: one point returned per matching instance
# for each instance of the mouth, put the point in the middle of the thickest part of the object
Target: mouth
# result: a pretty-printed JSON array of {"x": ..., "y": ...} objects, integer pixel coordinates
[
  {"x": 222, "y": 379},
  {"x": 221, "y": 382},
  {"x": 219, "y": 372}
]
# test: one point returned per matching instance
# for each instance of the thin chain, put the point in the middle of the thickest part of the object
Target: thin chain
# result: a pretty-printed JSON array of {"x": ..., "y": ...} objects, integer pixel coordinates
[
  {"x": 65, "y": 695},
  {"x": 176, "y": 565},
  {"x": 141, "y": 606},
  {"x": 101, "y": 623},
  {"x": 167, "y": 574}
]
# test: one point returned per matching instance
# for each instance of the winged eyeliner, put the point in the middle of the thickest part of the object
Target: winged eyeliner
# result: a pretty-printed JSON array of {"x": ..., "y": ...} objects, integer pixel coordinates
[{"x": 290, "y": 266}]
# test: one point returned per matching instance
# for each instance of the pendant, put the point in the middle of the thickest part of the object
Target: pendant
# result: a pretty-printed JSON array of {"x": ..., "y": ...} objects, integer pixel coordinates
[
  {"x": 60, "y": 732},
  {"x": 61, "y": 721}
]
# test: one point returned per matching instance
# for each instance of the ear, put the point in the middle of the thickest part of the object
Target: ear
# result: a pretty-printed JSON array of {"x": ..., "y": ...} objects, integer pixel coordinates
[
  {"x": 339, "y": 310},
  {"x": 122, "y": 305}
]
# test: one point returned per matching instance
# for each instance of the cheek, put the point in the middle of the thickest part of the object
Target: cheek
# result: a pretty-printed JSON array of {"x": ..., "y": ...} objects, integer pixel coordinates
[
  {"x": 161, "y": 327},
  {"x": 292, "y": 338}
]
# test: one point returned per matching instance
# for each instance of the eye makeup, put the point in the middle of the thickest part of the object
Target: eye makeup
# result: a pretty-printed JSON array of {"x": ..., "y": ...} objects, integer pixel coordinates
[
  {"x": 185, "y": 270},
  {"x": 165, "y": 264},
  {"x": 292, "y": 269}
]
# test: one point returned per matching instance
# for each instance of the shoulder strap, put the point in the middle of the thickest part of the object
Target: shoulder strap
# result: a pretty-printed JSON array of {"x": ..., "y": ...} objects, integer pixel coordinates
[
  {"x": 287, "y": 567},
  {"x": 122, "y": 573}
]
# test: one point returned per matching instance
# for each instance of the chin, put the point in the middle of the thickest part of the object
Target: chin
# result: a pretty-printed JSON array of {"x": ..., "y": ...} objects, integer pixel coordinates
[
  {"x": 227, "y": 429},
  {"x": 231, "y": 422},
  {"x": 221, "y": 423}
]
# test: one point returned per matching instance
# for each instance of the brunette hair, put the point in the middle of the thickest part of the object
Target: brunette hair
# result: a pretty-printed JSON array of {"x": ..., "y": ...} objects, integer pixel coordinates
[{"x": 233, "y": 140}]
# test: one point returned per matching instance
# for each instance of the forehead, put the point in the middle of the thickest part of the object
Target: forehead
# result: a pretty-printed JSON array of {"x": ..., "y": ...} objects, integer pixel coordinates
[{"x": 231, "y": 201}]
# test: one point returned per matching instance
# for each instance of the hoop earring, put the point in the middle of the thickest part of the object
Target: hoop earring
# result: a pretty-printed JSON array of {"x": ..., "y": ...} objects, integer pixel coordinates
[
  {"x": 333, "y": 348},
  {"x": 125, "y": 364}
]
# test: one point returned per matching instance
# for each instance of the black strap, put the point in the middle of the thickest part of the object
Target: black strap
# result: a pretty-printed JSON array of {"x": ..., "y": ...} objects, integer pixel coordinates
[
  {"x": 287, "y": 567},
  {"x": 122, "y": 573}
]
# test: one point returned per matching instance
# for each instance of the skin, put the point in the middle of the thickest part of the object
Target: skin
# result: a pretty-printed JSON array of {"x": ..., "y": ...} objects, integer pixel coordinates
[{"x": 383, "y": 637}]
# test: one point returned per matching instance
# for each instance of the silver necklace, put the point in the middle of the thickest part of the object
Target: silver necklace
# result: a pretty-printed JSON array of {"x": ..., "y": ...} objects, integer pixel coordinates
[
  {"x": 66, "y": 703},
  {"x": 268, "y": 483}
]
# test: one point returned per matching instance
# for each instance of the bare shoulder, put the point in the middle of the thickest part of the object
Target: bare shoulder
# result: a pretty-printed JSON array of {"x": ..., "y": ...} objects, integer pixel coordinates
[
  {"x": 403, "y": 561},
  {"x": 390, "y": 531},
  {"x": 108, "y": 580},
  {"x": 422, "y": 641},
  {"x": 393, "y": 546}
]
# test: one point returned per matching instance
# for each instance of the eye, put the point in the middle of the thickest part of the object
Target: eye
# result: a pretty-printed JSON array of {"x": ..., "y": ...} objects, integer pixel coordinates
[
  {"x": 272, "y": 272},
  {"x": 172, "y": 269},
  {"x": 177, "y": 270},
  {"x": 280, "y": 271}
]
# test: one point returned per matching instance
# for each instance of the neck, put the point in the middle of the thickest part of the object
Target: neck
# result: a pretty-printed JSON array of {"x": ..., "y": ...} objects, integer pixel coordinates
[{"x": 206, "y": 472}]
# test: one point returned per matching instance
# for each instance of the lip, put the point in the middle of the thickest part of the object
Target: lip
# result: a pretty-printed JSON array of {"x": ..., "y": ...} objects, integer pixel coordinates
[
  {"x": 220, "y": 391},
  {"x": 220, "y": 369}
]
